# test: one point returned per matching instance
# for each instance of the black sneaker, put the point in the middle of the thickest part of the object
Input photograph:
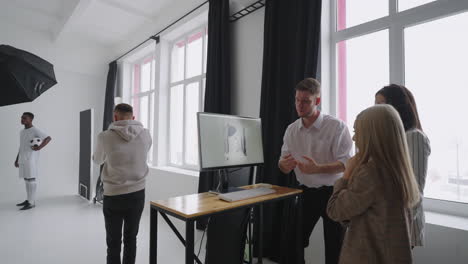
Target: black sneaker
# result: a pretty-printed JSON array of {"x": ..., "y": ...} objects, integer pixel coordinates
[
  {"x": 28, "y": 206},
  {"x": 26, "y": 202}
]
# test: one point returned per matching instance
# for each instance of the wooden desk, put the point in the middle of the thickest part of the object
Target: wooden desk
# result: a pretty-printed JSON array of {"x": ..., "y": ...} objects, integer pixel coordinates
[{"x": 191, "y": 207}]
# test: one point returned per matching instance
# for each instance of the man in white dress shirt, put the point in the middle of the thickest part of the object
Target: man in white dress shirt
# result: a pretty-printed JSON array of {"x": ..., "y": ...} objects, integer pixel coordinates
[
  {"x": 316, "y": 147},
  {"x": 28, "y": 158}
]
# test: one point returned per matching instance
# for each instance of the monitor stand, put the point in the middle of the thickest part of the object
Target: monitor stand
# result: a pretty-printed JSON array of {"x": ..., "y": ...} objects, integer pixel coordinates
[{"x": 223, "y": 186}]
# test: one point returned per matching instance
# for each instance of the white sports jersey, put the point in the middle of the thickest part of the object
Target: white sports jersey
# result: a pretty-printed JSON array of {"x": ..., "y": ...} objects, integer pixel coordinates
[{"x": 28, "y": 158}]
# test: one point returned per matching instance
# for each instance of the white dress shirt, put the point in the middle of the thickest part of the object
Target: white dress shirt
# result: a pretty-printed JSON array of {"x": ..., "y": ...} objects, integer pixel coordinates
[{"x": 327, "y": 140}]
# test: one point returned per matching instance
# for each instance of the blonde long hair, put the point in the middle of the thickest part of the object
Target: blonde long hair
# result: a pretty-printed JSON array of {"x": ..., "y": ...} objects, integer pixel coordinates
[{"x": 380, "y": 137}]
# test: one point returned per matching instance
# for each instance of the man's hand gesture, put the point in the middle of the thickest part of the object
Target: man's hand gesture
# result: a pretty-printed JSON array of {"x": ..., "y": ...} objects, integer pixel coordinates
[
  {"x": 309, "y": 166},
  {"x": 287, "y": 163}
]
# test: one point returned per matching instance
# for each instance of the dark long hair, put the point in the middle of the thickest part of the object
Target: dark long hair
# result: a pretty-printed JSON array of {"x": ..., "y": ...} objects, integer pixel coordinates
[{"x": 403, "y": 101}]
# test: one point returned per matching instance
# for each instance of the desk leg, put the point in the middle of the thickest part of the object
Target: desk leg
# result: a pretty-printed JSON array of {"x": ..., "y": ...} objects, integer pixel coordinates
[
  {"x": 189, "y": 240},
  {"x": 260, "y": 231},
  {"x": 153, "y": 248},
  {"x": 250, "y": 235},
  {"x": 176, "y": 232},
  {"x": 299, "y": 250}
]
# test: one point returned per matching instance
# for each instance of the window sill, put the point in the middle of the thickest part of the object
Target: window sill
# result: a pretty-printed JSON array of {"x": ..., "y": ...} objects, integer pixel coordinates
[
  {"x": 176, "y": 170},
  {"x": 446, "y": 220}
]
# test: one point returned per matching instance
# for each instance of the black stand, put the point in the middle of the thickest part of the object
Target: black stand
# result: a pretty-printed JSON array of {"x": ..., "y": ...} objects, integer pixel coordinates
[{"x": 223, "y": 183}]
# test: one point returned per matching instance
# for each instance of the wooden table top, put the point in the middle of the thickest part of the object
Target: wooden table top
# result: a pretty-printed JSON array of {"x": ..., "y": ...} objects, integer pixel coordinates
[{"x": 200, "y": 204}]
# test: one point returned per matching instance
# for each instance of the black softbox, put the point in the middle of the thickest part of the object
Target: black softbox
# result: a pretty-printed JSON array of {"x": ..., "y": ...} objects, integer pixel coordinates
[{"x": 23, "y": 76}]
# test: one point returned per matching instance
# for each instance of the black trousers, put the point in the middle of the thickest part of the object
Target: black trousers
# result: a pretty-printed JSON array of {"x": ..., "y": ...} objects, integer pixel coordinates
[
  {"x": 315, "y": 202},
  {"x": 122, "y": 210}
]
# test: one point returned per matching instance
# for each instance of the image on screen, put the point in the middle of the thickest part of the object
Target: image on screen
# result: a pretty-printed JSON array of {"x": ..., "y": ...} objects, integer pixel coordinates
[{"x": 229, "y": 141}]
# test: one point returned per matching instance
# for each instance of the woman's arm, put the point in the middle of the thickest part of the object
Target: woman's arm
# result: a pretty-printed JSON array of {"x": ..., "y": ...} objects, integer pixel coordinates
[
  {"x": 352, "y": 197},
  {"x": 419, "y": 150}
]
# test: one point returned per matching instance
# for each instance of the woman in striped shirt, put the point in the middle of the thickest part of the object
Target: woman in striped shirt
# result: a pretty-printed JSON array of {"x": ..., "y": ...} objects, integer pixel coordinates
[{"x": 419, "y": 146}]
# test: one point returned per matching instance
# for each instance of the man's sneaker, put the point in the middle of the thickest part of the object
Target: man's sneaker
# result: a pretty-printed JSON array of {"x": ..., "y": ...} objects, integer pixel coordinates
[
  {"x": 26, "y": 202},
  {"x": 28, "y": 206}
]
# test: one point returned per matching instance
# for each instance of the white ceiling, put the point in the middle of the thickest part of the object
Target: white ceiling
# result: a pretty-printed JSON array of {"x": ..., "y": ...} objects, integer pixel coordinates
[{"x": 106, "y": 22}]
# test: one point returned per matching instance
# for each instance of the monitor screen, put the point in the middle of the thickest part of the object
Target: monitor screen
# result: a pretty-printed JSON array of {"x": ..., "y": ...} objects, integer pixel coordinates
[{"x": 229, "y": 141}]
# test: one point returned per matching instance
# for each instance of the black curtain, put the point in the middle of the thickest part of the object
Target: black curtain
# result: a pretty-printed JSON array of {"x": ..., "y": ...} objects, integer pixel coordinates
[
  {"x": 218, "y": 70},
  {"x": 218, "y": 81},
  {"x": 110, "y": 95},
  {"x": 107, "y": 118},
  {"x": 291, "y": 53}
]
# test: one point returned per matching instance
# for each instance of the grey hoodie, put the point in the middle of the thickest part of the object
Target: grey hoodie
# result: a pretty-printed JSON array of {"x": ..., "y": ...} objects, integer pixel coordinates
[{"x": 123, "y": 149}]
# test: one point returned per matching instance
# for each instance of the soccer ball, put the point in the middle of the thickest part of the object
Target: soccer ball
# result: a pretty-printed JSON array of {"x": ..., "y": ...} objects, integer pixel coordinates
[{"x": 36, "y": 142}]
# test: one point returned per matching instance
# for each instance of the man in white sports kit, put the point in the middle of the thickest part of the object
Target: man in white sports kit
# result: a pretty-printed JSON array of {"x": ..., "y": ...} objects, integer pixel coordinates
[{"x": 28, "y": 158}]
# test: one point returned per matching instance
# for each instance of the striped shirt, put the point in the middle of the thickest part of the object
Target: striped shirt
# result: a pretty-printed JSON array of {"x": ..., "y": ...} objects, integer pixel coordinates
[{"x": 419, "y": 150}]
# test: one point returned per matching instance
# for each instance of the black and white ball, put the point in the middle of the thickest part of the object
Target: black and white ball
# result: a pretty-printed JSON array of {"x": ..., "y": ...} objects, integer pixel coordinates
[{"x": 36, "y": 142}]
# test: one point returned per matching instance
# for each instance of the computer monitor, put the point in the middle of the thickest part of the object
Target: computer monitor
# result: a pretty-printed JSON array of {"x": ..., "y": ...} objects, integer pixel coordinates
[{"x": 227, "y": 141}]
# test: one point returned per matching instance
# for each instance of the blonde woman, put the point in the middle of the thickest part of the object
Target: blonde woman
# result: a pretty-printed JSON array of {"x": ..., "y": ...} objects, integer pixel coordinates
[{"x": 377, "y": 192}]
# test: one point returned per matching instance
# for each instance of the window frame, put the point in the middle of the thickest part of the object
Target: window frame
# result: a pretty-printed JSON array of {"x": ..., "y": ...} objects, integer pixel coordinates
[
  {"x": 147, "y": 58},
  {"x": 200, "y": 79},
  {"x": 395, "y": 22}
]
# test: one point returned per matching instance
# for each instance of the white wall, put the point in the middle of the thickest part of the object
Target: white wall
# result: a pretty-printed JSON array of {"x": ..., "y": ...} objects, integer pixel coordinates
[
  {"x": 81, "y": 69},
  {"x": 443, "y": 245},
  {"x": 246, "y": 61},
  {"x": 166, "y": 17},
  {"x": 162, "y": 184}
]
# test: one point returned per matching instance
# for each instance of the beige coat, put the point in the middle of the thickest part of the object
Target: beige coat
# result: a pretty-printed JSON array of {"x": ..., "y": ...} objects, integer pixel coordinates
[{"x": 379, "y": 226}]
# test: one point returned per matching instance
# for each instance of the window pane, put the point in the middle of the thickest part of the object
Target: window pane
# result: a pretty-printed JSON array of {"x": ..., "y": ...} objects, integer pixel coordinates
[
  {"x": 177, "y": 61},
  {"x": 144, "y": 111},
  {"x": 136, "y": 79},
  {"x": 351, "y": 13},
  {"x": 151, "y": 126},
  {"x": 407, "y": 4},
  {"x": 152, "y": 113},
  {"x": 176, "y": 124},
  {"x": 192, "y": 106},
  {"x": 203, "y": 95},
  {"x": 136, "y": 106},
  {"x": 362, "y": 69},
  {"x": 206, "y": 52},
  {"x": 194, "y": 54},
  {"x": 146, "y": 77},
  {"x": 440, "y": 91},
  {"x": 153, "y": 73}
]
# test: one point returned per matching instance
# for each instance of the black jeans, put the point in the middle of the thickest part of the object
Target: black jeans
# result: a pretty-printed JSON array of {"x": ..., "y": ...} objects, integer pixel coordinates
[
  {"x": 315, "y": 202},
  {"x": 123, "y": 210}
]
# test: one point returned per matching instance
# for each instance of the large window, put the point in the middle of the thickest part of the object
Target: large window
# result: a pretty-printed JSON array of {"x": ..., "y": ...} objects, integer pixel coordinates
[
  {"x": 352, "y": 13},
  {"x": 142, "y": 94},
  {"x": 362, "y": 66},
  {"x": 164, "y": 81},
  {"x": 436, "y": 71},
  {"x": 421, "y": 44},
  {"x": 186, "y": 93}
]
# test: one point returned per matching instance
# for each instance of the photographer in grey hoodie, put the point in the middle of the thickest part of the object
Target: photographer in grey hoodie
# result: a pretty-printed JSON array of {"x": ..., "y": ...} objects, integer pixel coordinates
[{"x": 123, "y": 150}]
